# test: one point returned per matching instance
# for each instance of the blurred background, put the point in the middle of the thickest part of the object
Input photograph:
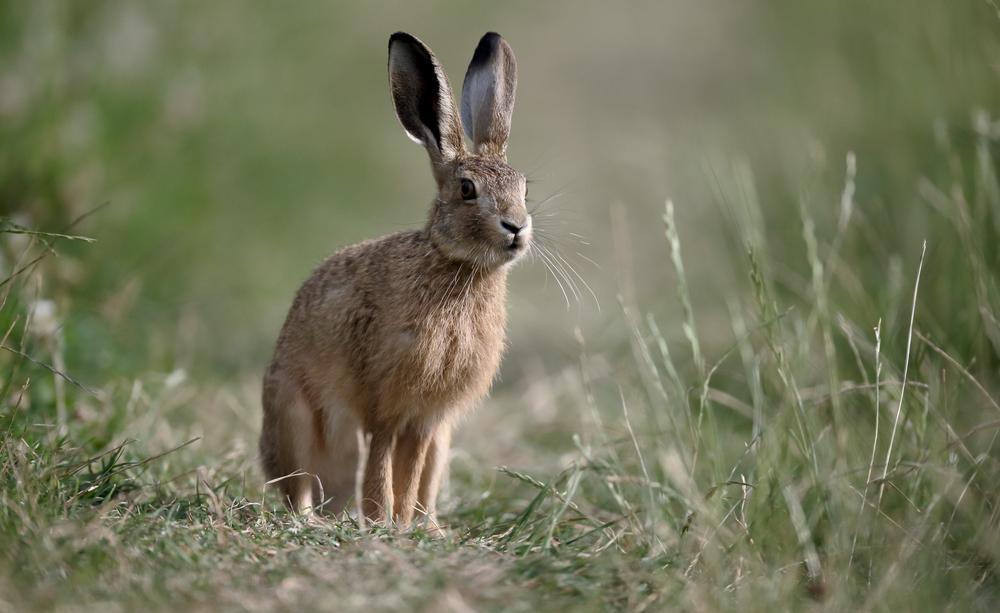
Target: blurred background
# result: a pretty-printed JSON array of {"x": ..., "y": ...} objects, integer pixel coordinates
[
  {"x": 236, "y": 145},
  {"x": 228, "y": 147},
  {"x": 705, "y": 387}
]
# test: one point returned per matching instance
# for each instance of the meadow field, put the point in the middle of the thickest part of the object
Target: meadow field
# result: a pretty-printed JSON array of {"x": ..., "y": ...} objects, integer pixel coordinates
[{"x": 759, "y": 368}]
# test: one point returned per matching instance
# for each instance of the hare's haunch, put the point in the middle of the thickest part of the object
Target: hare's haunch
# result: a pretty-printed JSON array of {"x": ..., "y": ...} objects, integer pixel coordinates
[{"x": 397, "y": 336}]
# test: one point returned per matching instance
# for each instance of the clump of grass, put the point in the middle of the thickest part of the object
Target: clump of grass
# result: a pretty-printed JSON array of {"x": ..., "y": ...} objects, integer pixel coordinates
[{"x": 824, "y": 456}]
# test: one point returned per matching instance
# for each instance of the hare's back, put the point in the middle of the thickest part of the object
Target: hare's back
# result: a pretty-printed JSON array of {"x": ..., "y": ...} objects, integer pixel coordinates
[{"x": 339, "y": 304}]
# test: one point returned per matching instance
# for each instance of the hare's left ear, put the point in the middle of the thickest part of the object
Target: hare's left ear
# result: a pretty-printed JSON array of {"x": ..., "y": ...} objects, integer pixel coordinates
[{"x": 488, "y": 95}]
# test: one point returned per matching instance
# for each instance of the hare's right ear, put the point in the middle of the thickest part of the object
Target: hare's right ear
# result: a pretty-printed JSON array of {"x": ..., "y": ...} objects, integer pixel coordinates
[{"x": 422, "y": 98}]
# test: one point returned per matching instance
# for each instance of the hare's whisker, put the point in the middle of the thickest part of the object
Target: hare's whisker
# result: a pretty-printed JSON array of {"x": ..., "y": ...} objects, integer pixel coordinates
[
  {"x": 559, "y": 240},
  {"x": 570, "y": 272},
  {"x": 555, "y": 277},
  {"x": 557, "y": 268},
  {"x": 573, "y": 270},
  {"x": 588, "y": 260},
  {"x": 538, "y": 204}
]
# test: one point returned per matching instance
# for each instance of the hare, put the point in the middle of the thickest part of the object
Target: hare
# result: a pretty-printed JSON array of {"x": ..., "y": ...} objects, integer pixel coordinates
[{"x": 397, "y": 337}]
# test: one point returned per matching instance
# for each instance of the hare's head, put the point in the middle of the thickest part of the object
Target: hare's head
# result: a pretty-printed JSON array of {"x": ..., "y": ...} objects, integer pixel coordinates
[{"x": 479, "y": 214}]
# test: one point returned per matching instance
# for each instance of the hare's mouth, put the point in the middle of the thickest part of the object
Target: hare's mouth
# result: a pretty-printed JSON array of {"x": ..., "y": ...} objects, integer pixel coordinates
[
  {"x": 518, "y": 244},
  {"x": 515, "y": 239},
  {"x": 514, "y": 248}
]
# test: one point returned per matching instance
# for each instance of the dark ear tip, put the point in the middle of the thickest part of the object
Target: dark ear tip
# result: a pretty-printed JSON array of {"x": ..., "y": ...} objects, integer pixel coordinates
[
  {"x": 404, "y": 37},
  {"x": 412, "y": 46},
  {"x": 489, "y": 42},
  {"x": 400, "y": 35},
  {"x": 489, "y": 45}
]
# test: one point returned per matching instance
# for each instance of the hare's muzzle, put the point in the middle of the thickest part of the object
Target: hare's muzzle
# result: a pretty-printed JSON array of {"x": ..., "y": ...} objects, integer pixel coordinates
[{"x": 517, "y": 234}]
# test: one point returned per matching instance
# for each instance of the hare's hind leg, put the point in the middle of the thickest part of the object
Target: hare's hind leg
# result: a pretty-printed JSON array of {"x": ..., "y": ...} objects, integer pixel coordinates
[
  {"x": 287, "y": 441},
  {"x": 336, "y": 463}
]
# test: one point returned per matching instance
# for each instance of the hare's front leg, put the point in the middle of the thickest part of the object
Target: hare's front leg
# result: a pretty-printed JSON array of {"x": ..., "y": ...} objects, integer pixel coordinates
[
  {"x": 377, "y": 486},
  {"x": 435, "y": 467},
  {"x": 412, "y": 444}
]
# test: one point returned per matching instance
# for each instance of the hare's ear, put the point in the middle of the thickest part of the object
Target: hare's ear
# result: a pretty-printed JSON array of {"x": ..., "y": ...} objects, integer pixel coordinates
[
  {"x": 422, "y": 98},
  {"x": 488, "y": 95}
]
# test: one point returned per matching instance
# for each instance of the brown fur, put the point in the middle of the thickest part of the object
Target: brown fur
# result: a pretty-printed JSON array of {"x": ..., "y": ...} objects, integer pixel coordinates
[{"x": 398, "y": 336}]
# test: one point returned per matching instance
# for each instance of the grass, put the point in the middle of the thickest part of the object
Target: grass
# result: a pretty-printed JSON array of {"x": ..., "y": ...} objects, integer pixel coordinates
[
  {"x": 789, "y": 399},
  {"x": 817, "y": 461}
]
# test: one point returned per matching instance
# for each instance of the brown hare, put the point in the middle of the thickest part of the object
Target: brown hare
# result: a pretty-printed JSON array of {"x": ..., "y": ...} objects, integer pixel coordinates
[{"x": 396, "y": 337}]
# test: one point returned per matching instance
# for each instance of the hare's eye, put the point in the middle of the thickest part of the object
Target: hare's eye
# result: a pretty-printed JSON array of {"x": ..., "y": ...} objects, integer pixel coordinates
[{"x": 468, "y": 189}]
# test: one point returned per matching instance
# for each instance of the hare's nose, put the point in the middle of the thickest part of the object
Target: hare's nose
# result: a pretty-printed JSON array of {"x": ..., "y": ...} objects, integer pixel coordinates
[{"x": 511, "y": 227}]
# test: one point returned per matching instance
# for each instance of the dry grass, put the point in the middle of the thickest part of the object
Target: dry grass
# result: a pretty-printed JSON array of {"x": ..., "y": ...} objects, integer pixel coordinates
[{"x": 767, "y": 411}]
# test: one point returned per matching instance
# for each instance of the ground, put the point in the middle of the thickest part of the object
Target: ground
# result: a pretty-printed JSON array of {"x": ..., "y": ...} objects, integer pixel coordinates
[{"x": 762, "y": 373}]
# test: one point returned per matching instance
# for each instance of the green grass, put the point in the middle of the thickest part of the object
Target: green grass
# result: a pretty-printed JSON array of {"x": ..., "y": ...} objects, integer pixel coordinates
[
  {"x": 742, "y": 480},
  {"x": 789, "y": 398}
]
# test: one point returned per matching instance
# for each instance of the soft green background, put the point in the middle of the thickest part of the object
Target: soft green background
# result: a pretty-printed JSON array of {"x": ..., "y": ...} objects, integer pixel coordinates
[
  {"x": 713, "y": 458},
  {"x": 239, "y": 143}
]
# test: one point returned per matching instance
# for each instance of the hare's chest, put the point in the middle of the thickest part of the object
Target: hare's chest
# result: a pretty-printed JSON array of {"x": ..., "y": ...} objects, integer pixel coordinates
[
  {"x": 451, "y": 360},
  {"x": 464, "y": 349}
]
